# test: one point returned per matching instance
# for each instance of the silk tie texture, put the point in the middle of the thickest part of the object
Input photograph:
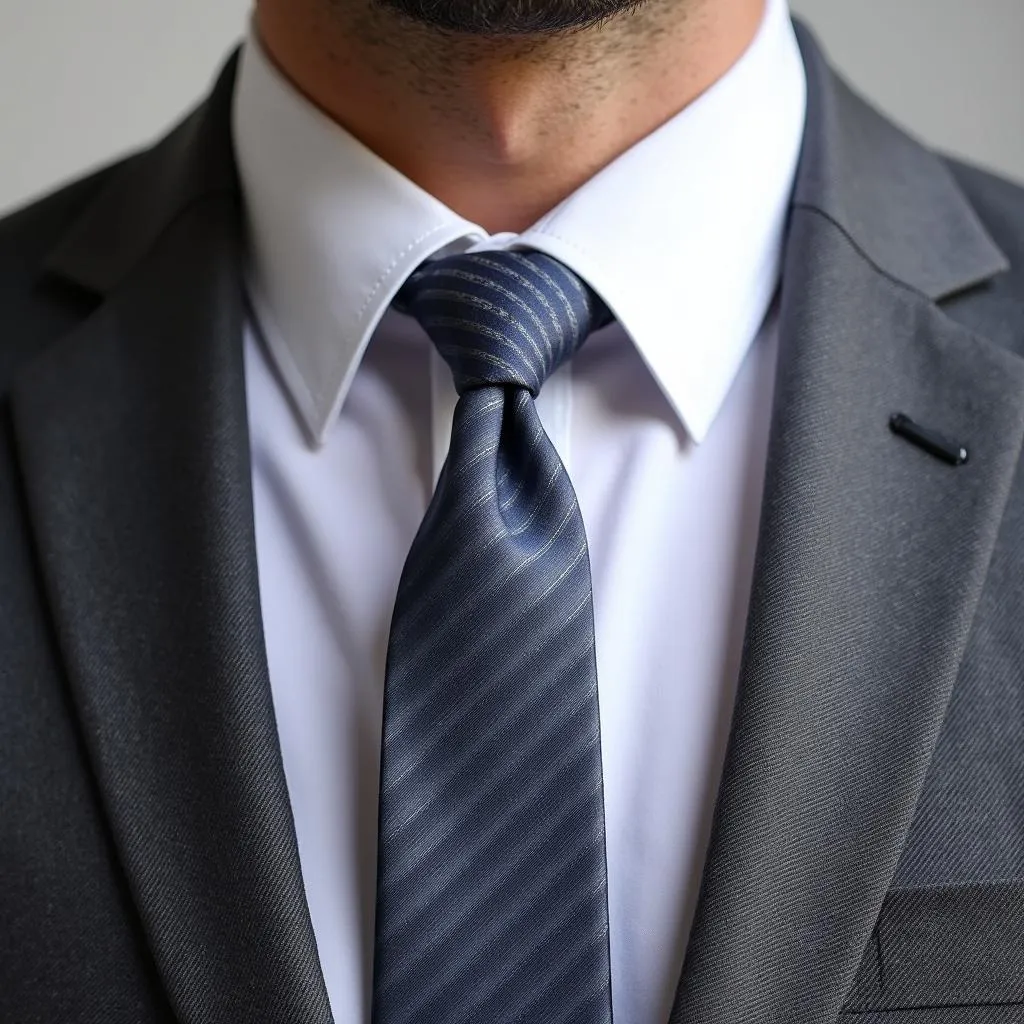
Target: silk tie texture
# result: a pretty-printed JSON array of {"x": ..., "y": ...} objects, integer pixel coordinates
[{"x": 492, "y": 893}]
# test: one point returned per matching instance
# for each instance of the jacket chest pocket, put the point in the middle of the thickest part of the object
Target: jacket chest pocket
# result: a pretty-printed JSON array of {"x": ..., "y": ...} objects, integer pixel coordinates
[{"x": 945, "y": 947}]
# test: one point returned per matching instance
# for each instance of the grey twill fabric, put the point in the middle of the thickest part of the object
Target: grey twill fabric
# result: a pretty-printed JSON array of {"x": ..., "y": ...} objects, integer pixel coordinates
[{"x": 491, "y": 881}]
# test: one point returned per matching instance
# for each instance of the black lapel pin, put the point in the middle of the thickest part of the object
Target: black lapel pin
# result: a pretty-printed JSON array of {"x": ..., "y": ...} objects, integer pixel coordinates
[{"x": 930, "y": 440}]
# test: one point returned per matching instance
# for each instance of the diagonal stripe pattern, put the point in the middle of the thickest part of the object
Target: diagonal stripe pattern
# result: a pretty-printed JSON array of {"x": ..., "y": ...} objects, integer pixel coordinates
[{"x": 491, "y": 878}]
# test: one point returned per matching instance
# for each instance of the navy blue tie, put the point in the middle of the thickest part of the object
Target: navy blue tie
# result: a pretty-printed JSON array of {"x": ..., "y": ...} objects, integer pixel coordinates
[{"x": 492, "y": 894}]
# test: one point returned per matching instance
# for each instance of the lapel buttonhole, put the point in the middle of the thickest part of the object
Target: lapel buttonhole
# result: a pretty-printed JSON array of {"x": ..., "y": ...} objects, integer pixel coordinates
[{"x": 930, "y": 440}]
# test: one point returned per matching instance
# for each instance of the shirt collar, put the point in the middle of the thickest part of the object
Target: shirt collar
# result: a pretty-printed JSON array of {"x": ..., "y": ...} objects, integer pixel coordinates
[{"x": 681, "y": 235}]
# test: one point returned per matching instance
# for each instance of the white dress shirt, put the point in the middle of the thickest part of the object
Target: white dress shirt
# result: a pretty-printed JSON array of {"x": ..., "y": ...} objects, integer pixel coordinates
[{"x": 661, "y": 420}]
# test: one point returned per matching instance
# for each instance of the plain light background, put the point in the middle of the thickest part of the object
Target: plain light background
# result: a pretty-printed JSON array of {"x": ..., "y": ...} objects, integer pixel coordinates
[{"x": 84, "y": 80}]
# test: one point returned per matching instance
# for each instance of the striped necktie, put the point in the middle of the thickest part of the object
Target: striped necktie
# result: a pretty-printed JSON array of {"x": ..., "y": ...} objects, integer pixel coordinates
[{"x": 492, "y": 895}]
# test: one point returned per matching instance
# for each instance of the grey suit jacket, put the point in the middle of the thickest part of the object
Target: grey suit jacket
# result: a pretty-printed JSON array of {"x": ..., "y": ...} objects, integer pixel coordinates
[{"x": 867, "y": 854}]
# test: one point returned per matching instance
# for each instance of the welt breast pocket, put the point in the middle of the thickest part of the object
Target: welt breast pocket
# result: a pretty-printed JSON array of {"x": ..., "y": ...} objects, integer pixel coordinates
[{"x": 945, "y": 954}]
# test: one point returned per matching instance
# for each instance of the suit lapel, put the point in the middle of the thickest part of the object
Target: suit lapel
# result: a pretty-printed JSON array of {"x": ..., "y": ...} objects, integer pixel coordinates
[
  {"x": 133, "y": 442},
  {"x": 871, "y": 558}
]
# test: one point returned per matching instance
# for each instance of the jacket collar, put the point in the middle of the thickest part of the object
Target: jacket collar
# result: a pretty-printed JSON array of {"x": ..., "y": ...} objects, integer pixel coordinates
[{"x": 897, "y": 203}]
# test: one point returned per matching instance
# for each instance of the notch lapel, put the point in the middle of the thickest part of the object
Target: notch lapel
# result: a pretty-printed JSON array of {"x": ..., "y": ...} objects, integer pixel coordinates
[
  {"x": 871, "y": 558},
  {"x": 132, "y": 437}
]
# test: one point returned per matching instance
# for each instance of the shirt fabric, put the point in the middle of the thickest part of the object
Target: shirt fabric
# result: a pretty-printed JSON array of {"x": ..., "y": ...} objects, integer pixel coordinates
[{"x": 661, "y": 420}]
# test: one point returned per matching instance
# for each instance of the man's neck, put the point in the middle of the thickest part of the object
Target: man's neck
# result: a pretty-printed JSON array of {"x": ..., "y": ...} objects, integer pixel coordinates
[{"x": 501, "y": 130}]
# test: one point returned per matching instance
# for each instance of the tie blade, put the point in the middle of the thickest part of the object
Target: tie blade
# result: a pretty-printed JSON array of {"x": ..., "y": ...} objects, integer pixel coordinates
[{"x": 492, "y": 879}]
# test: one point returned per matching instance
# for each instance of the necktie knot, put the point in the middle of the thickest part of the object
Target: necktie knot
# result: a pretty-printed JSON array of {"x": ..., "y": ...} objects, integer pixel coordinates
[{"x": 503, "y": 317}]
